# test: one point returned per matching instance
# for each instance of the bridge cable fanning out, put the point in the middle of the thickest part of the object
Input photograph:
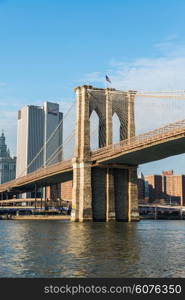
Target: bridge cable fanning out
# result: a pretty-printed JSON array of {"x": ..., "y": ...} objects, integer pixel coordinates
[
  {"x": 40, "y": 155},
  {"x": 149, "y": 113},
  {"x": 155, "y": 109},
  {"x": 60, "y": 149}
]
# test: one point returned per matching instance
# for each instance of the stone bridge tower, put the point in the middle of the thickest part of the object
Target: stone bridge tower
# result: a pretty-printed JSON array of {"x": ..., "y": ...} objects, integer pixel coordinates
[{"x": 108, "y": 192}]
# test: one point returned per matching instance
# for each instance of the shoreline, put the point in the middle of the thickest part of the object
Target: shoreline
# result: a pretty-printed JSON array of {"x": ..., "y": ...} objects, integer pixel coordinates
[
  {"x": 38, "y": 217},
  {"x": 68, "y": 218}
]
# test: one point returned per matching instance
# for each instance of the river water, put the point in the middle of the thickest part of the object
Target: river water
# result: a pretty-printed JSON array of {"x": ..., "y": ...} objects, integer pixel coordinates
[{"x": 148, "y": 248}]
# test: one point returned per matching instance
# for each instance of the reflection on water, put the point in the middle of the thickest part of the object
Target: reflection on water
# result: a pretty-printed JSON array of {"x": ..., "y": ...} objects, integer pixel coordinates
[{"x": 63, "y": 249}]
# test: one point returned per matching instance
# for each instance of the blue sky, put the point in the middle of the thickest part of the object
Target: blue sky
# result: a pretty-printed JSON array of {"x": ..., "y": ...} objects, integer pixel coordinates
[{"x": 47, "y": 47}]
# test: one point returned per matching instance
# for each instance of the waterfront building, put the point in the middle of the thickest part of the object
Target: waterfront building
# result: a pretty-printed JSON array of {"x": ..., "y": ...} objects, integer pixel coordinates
[
  {"x": 141, "y": 188},
  {"x": 174, "y": 188},
  {"x": 167, "y": 187},
  {"x": 155, "y": 187},
  {"x": 7, "y": 163}
]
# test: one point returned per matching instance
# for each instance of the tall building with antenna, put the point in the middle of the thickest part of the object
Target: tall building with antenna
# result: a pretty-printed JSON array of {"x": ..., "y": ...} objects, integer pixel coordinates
[
  {"x": 39, "y": 136},
  {"x": 7, "y": 163}
]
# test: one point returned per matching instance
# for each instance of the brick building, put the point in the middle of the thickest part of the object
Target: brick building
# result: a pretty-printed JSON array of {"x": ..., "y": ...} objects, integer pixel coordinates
[
  {"x": 166, "y": 187},
  {"x": 155, "y": 187},
  {"x": 62, "y": 191}
]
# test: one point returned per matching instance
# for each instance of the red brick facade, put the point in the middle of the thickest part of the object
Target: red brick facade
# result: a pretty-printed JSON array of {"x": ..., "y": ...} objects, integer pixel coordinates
[
  {"x": 166, "y": 187},
  {"x": 66, "y": 190},
  {"x": 62, "y": 191}
]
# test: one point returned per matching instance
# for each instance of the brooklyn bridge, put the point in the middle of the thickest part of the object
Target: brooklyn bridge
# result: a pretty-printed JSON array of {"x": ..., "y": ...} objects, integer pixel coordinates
[{"x": 104, "y": 180}]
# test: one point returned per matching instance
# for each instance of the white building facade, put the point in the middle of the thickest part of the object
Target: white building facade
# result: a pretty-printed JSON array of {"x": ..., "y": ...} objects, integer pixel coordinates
[{"x": 35, "y": 125}]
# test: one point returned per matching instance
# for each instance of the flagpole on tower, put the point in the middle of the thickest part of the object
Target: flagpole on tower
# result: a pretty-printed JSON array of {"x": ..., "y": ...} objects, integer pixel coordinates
[{"x": 107, "y": 81}]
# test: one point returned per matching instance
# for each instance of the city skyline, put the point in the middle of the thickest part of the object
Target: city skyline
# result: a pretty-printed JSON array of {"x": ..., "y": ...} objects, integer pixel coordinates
[{"x": 40, "y": 60}]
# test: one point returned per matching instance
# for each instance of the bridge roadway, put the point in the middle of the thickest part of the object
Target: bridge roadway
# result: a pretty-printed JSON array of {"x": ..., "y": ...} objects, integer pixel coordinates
[{"x": 153, "y": 145}]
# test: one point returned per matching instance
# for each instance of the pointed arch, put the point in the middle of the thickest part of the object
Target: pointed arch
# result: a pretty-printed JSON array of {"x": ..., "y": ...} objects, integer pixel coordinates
[
  {"x": 97, "y": 131},
  {"x": 94, "y": 130},
  {"x": 116, "y": 125},
  {"x": 123, "y": 128}
]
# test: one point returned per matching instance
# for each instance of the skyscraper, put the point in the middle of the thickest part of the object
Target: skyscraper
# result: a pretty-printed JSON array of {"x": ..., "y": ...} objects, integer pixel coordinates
[
  {"x": 7, "y": 163},
  {"x": 35, "y": 126}
]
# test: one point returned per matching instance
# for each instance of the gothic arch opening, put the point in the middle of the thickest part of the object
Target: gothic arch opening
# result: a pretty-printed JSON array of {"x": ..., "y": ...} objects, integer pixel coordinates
[
  {"x": 116, "y": 126},
  {"x": 94, "y": 130}
]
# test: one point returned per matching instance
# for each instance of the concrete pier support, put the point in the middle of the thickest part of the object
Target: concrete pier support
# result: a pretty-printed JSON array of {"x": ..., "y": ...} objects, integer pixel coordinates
[
  {"x": 75, "y": 191},
  {"x": 99, "y": 194},
  {"x": 82, "y": 194},
  {"x": 121, "y": 194},
  {"x": 103, "y": 197},
  {"x": 133, "y": 211},
  {"x": 110, "y": 195}
]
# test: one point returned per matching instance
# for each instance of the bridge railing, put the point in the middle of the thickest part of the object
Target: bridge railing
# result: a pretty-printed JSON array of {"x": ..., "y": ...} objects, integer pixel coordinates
[{"x": 144, "y": 138}]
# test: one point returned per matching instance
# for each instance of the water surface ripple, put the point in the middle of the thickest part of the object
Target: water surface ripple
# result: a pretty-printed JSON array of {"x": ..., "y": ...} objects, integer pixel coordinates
[{"x": 64, "y": 249}]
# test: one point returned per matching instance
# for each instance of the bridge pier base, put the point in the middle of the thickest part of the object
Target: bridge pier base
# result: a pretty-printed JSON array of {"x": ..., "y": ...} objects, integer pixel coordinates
[
  {"x": 114, "y": 194},
  {"x": 110, "y": 195},
  {"x": 133, "y": 210},
  {"x": 121, "y": 194},
  {"x": 104, "y": 194},
  {"x": 82, "y": 194},
  {"x": 98, "y": 194}
]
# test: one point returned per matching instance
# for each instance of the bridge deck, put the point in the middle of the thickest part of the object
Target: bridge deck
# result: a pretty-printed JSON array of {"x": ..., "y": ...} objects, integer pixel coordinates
[
  {"x": 47, "y": 175},
  {"x": 153, "y": 145}
]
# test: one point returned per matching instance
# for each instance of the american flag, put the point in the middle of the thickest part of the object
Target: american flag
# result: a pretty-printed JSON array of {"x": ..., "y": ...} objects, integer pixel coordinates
[{"x": 108, "y": 79}]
